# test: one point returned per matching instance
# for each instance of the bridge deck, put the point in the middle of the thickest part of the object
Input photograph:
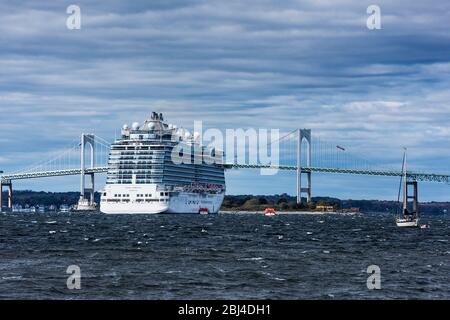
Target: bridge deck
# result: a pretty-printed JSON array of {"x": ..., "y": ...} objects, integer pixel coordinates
[
  {"x": 51, "y": 173},
  {"x": 419, "y": 176},
  {"x": 413, "y": 175}
]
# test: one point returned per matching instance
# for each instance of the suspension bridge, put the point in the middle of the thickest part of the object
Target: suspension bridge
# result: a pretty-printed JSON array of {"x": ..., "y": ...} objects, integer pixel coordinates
[{"x": 298, "y": 152}]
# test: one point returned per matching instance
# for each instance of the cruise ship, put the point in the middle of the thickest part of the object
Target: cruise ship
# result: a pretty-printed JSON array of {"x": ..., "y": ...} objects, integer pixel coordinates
[{"x": 143, "y": 177}]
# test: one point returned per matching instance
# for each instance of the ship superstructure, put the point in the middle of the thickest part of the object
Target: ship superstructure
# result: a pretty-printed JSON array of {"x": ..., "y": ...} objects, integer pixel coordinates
[{"x": 144, "y": 177}]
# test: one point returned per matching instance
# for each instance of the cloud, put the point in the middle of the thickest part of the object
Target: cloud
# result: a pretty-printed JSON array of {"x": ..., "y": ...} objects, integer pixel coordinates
[{"x": 232, "y": 64}]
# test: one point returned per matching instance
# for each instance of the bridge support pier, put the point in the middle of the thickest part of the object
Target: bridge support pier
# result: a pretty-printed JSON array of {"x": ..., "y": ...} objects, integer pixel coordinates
[
  {"x": 303, "y": 134},
  {"x": 85, "y": 203},
  {"x": 407, "y": 196},
  {"x": 8, "y": 184}
]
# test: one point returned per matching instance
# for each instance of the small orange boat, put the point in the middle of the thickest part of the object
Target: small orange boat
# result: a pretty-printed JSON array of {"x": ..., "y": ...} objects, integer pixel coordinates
[{"x": 269, "y": 211}]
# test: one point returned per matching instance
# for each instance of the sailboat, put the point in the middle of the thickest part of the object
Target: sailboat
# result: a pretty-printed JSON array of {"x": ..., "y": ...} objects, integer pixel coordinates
[{"x": 407, "y": 218}]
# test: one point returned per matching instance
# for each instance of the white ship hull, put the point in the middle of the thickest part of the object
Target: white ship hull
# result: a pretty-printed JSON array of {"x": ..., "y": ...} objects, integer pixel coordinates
[
  {"x": 407, "y": 222},
  {"x": 195, "y": 203},
  {"x": 158, "y": 202},
  {"x": 121, "y": 208}
]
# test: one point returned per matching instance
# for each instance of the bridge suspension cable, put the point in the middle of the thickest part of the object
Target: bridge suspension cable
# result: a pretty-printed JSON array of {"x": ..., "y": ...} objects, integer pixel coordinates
[
  {"x": 327, "y": 157},
  {"x": 64, "y": 162}
]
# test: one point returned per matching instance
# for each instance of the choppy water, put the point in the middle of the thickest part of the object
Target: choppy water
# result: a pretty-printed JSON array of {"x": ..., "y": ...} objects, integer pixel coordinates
[{"x": 221, "y": 256}]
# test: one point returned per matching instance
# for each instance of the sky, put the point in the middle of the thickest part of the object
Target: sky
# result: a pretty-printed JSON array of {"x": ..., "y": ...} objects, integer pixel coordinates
[{"x": 232, "y": 64}]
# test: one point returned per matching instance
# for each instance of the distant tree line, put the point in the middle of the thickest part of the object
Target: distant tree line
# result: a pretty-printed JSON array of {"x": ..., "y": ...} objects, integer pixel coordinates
[
  {"x": 285, "y": 202},
  {"x": 34, "y": 198},
  {"x": 280, "y": 202}
]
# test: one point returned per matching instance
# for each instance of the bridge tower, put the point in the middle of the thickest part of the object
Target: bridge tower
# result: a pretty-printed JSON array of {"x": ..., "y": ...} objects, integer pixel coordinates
[
  {"x": 6, "y": 183},
  {"x": 86, "y": 203},
  {"x": 407, "y": 196},
  {"x": 303, "y": 134}
]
